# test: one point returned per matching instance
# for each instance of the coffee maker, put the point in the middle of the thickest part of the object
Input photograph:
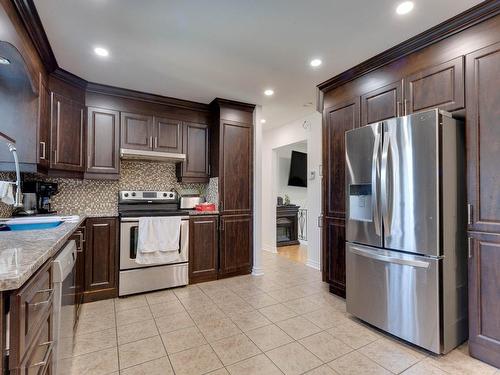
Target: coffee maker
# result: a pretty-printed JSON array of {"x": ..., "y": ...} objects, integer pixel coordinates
[{"x": 37, "y": 197}]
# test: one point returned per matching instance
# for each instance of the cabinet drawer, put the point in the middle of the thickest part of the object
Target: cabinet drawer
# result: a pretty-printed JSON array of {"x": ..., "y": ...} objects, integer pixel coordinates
[
  {"x": 39, "y": 356},
  {"x": 30, "y": 305}
]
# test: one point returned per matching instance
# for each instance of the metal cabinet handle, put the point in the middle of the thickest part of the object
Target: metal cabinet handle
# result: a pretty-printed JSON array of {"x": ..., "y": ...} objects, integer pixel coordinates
[
  {"x": 398, "y": 106},
  {"x": 156, "y": 142},
  {"x": 469, "y": 214},
  {"x": 469, "y": 247},
  {"x": 42, "y": 146},
  {"x": 45, "y": 361},
  {"x": 406, "y": 107}
]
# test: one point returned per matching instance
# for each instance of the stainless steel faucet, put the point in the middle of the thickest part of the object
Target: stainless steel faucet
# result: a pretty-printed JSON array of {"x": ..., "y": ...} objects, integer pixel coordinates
[{"x": 11, "y": 144}]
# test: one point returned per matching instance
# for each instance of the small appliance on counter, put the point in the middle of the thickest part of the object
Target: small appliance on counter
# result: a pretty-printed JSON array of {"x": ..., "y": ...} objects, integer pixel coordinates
[
  {"x": 190, "y": 201},
  {"x": 37, "y": 198},
  {"x": 205, "y": 207}
]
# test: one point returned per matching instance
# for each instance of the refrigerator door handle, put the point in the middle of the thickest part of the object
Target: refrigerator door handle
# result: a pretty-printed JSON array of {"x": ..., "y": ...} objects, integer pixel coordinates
[
  {"x": 388, "y": 259},
  {"x": 383, "y": 183},
  {"x": 375, "y": 177}
]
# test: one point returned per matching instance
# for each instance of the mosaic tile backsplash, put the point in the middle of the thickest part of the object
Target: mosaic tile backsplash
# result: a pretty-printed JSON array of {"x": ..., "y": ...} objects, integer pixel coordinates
[{"x": 100, "y": 197}]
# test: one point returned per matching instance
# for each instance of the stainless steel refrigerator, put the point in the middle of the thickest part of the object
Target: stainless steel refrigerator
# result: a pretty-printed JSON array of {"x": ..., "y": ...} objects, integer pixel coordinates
[{"x": 406, "y": 257}]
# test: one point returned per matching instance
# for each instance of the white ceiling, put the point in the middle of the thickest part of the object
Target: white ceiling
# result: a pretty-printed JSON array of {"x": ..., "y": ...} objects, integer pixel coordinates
[{"x": 202, "y": 49}]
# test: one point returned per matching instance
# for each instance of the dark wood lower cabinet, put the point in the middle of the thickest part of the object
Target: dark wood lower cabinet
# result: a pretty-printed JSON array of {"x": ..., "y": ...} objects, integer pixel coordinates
[
  {"x": 203, "y": 248},
  {"x": 334, "y": 243},
  {"x": 101, "y": 259},
  {"x": 235, "y": 254},
  {"x": 484, "y": 297}
]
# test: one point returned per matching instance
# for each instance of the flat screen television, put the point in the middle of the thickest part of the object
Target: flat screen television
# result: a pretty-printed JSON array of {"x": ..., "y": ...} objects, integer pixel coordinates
[{"x": 298, "y": 169}]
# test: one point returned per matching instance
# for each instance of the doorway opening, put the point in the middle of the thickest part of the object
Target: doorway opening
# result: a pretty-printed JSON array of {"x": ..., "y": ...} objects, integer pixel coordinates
[{"x": 291, "y": 201}]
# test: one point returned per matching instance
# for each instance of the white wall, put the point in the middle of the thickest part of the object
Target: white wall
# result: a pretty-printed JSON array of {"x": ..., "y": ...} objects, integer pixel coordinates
[
  {"x": 297, "y": 194},
  {"x": 273, "y": 139}
]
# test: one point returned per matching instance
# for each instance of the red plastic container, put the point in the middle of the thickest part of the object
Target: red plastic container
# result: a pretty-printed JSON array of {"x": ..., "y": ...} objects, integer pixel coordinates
[{"x": 205, "y": 207}]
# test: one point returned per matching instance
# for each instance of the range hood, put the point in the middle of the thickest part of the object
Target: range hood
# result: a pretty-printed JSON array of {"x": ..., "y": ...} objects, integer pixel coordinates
[{"x": 129, "y": 154}]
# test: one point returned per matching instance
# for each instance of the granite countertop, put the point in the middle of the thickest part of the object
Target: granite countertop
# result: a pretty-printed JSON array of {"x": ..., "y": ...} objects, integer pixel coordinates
[
  {"x": 200, "y": 213},
  {"x": 22, "y": 253}
]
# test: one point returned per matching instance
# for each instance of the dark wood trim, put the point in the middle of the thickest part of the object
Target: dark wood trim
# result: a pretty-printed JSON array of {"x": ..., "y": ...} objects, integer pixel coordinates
[
  {"x": 143, "y": 96},
  {"x": 70, "y": 78},
  {"x": 247, "y": 107},
  {"x": 460, "y": 22},
  {"x": 31, "y": 20}
]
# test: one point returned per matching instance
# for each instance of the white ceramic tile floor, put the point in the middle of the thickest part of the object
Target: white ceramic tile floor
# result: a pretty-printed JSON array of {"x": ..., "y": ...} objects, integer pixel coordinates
[{"x": 285, "y": 322}]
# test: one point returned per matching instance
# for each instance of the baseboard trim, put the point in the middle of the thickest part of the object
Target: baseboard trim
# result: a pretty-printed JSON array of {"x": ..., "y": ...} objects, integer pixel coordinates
[
  {"x": 270, "y": 249},
  {"x": 257, "y": 271},
  {"x": 313, "y": 264}
]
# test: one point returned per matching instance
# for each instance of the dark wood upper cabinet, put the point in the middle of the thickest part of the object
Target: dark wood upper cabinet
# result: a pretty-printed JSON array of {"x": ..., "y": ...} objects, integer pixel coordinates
[
  {"x": 334, "y": 239},
  {"x": 483, "y": 135},
  {"x": 101, "y": 259},
  {"x": 203, "y": 248},
  {"x": 167, "y": 135},
  {"x": 484, "y": 301},
  {"x": 338, "y": 120},
  {"x": 235, "y": 179},
  {"x": 136, "y": 131},
  {"x": 382, "y": 103},
  {"x": 440, "y": 86},
  {"x": 67, "y": 139},
  {"x": 103, "y": 142},
  {"x": 235, "y": 245},
  {"x": 196, "y": 147}
]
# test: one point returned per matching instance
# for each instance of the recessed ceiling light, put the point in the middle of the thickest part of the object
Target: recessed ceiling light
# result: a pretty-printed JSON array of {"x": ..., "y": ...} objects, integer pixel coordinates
[
  {"x": 315, "y": 63},
  {"x": 269, "y": 92},
  {"x": 99, "y": 51},
  {"x": 263, "y": 121},
  {"x": 4, "y": 61},
  {"x": 405, "y": 7}
]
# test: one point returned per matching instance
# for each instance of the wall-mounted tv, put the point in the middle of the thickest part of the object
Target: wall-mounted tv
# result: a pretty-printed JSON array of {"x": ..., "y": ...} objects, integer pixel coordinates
[{"x": 298, "y": 169}]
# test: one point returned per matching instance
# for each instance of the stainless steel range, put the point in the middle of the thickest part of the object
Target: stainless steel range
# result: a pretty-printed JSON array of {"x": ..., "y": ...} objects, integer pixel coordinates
[{"x": 138, "y": 278}]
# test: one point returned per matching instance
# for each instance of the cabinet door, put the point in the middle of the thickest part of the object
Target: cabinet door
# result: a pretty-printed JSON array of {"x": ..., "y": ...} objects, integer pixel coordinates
[
  {"x": 196, "y": 148},
  {"x": 235, "y": 245},
  {"x": 439, "y": 86},
  {"x": 101, "y": 259},
  {"x": 382, "y": 103},
  {"x": 167, "y": 135},
  {"x": 483, "y": 135},
  {"x": 484, "y": 298},
  {"x": 235, "y": 178},
  {"x": 334, "y": 245},
  {"x": 337, "y": 121},
  {"x": 203, "y": 248},
  {"x": 103, "y": 134},
  {"x": 43, "y": 124},
  {"x": 67, "y": 134},
  {"x": 136, "y": 131}
]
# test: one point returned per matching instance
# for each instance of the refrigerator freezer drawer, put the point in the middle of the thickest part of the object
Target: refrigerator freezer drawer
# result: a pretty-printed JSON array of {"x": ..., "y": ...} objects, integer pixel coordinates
[{"x": 395, "y": 292}]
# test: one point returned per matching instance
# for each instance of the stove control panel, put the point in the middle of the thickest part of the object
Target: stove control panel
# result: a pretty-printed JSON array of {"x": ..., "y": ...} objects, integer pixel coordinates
[{"x": 131, "y": 195}]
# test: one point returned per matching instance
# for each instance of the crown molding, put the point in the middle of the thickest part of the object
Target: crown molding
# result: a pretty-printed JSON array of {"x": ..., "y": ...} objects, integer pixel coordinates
[
  {"x": 460, "y": 22},
  {"x": 146, "y": 97},
  {"x": 31, "y": 20}
]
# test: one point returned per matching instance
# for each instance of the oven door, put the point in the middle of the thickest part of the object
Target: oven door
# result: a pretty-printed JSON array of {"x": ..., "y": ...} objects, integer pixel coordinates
[{"x": 129, "y": 231}]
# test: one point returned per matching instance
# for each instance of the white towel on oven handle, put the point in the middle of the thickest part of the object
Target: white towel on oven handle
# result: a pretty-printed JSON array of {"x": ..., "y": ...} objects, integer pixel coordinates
[
  {"x": 159, "y": 234},
  {"x": 158, "y": 240}
]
